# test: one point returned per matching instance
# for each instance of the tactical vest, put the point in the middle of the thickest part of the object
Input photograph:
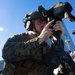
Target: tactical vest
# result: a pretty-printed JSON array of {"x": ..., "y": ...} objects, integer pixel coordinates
[{"x": 30, "y": 68}]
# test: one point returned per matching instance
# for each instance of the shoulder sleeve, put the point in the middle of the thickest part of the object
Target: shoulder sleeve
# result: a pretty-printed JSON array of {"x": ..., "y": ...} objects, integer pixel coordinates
[{"x": 15, "y": 50}]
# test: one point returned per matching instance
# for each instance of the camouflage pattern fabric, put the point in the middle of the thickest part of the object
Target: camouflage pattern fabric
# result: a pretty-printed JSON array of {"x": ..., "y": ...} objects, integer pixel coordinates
[{"x": 21, "y": 47}]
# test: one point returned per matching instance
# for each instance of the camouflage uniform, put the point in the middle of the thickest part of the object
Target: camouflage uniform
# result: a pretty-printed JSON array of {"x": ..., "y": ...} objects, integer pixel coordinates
[{"x": 22, "y": 54}]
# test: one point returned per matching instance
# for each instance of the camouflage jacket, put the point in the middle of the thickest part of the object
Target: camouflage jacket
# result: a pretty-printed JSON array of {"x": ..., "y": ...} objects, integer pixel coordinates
[{"x": 20, "y": 47}]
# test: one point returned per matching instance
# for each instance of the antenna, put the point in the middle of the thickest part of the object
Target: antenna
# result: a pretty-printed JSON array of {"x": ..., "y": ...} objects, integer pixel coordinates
[{"x": 67, "y": 41}]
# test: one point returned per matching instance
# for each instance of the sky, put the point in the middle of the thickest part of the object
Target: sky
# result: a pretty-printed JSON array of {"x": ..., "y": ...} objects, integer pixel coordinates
[{"x": 12, "y": 13}]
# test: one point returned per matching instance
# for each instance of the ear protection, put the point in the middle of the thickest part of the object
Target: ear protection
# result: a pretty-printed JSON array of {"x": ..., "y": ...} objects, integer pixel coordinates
[{"x": 28, "y": 23}]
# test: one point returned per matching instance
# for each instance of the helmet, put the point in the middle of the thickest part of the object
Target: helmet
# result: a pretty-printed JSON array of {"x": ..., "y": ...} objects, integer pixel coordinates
[{"x": 28, "y": 24}]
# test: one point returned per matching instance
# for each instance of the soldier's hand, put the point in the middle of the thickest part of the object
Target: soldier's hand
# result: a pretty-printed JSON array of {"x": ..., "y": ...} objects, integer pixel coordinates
[
  {"x": 58, "y": 26},
  {"x": 46, "y": 32}
]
